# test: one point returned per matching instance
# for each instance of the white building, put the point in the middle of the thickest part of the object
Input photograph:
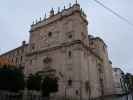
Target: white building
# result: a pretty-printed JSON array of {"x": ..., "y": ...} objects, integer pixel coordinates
[{"x": 118, "y": 81}]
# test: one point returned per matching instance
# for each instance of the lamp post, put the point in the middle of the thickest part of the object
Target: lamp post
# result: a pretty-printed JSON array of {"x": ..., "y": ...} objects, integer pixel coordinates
[{"x": 25, "y": 93}]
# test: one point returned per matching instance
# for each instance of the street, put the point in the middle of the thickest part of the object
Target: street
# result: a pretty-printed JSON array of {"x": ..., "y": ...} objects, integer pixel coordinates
[{"x": 126, "y": 97}]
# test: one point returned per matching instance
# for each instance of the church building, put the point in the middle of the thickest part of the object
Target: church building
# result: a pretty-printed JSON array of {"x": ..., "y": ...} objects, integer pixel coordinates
[{"x": 62, "y": 42}]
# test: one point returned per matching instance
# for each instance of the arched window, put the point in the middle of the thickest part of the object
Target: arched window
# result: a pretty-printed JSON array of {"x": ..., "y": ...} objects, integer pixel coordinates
[
  {"x": 69, "y": 82},
  {"x": 77, "y": 92},
  {"x": 87, "y": 86},
  {"x": 31, "y": 62},
  {"x": 69, "y": 54},
  {"x": 32, "y": 46},
  {"x": 49, "y": 34},
  {"x": 21, "y": 58},
  {"x": 70, "y": 36}
]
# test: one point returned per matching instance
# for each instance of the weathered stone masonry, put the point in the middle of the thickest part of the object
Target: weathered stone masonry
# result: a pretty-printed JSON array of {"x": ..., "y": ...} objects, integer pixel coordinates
[{"x": 63, "y": 39}]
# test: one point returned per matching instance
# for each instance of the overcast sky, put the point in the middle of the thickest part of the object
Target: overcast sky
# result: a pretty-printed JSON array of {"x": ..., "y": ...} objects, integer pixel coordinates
[{"x": 16, "y": 16}]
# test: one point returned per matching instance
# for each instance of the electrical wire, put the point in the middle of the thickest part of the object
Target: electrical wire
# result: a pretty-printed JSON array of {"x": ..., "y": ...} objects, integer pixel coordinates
[{"x": 113, "y": 12}]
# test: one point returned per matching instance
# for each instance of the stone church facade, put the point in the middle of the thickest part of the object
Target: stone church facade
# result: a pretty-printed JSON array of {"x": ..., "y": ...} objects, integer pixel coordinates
[{"x": 61, "y": 42}]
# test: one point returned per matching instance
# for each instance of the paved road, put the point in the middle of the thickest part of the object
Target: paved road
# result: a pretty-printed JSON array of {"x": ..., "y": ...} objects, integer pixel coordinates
[{"x": 127, "y": 97}]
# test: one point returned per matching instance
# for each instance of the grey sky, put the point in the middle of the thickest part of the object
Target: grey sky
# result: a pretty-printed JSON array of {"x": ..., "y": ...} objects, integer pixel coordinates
[{"x": 16, "y": 16}]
